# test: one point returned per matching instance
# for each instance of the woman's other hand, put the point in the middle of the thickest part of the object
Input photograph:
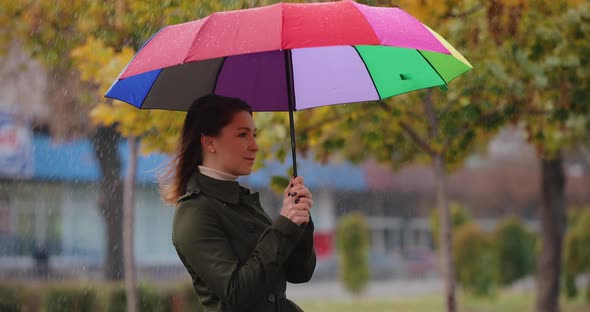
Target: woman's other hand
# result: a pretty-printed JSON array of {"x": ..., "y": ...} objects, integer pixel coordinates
[{"x": 297, "y": 200}]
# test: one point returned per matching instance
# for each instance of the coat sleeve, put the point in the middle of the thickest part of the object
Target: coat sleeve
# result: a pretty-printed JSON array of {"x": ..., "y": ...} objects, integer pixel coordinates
[
  {"x": 205, "y": 249},
  {"x": 300, "y": 265}
]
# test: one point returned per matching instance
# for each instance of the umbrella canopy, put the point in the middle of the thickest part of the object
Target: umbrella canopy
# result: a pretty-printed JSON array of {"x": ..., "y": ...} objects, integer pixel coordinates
[{"x": 289, "y": 56}]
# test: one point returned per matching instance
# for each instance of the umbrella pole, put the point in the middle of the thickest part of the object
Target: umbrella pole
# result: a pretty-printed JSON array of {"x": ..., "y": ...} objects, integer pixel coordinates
[
  {"x": 293, "y": 148},
  {"x": 291, "y": 95}
]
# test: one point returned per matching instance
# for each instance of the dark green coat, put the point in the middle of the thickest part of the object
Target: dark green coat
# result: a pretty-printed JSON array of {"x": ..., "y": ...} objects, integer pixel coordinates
[{"x": 238, "y": 258}]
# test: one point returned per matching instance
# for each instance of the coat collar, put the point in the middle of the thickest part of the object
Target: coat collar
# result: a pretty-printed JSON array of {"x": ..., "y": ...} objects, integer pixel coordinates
[{"x": 225, "y": 191}]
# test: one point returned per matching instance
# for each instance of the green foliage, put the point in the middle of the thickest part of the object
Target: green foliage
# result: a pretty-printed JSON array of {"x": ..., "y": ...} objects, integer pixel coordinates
[
  {"x": 12, "y": 298},
  {"x": 514, "y": 248},
  {"x": 278, "y": 184},
  {"x": 70, "y": 298},
  {"x": 548, "y": 76},
  {"x": 353, "y": 243},
  {"x": 474, "y": 260},
  {"x": 577, "y": 251},
  {"x": 459, "y": 216},
  {"x": 148, "y": 300}
]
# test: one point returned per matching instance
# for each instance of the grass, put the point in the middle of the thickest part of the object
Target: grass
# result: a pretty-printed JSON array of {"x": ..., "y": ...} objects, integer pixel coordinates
[{"x": 505, "y": 302}]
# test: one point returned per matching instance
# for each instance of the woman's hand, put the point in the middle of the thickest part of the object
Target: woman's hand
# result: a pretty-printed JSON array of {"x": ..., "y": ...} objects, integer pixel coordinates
[{"x": 297, "y": 200}]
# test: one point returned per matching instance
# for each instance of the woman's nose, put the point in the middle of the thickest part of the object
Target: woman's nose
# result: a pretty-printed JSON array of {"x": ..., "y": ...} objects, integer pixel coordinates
[{"x": 253, "y": 145}]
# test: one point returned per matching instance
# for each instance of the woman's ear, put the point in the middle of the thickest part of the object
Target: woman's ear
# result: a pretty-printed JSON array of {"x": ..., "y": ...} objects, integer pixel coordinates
[{"x": 207, "y": 143}]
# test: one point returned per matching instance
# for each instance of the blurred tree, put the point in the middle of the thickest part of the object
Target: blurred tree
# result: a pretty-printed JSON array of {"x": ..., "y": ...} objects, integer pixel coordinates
[
  {"x": 353, "y": 243},
  {"x": 514, "y": 251},
  {"x": 545, "y": 55}
]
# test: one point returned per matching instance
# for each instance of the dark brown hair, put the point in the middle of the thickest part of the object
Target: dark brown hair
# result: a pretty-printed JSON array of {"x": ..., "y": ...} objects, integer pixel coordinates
[{"x": 206, "y": 116}]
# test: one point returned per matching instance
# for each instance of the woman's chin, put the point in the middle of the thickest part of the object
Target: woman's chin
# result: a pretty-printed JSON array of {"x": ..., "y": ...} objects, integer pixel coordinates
[{"x": 244, "y": 171}]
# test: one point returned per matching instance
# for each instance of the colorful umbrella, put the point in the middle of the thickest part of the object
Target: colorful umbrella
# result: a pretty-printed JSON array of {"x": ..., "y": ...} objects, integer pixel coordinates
[{"x": 288, "y": 57}]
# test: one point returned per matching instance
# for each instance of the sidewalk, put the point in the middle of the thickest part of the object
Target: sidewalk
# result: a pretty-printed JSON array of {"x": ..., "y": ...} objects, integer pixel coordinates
[{"x": 333, "y": 290}]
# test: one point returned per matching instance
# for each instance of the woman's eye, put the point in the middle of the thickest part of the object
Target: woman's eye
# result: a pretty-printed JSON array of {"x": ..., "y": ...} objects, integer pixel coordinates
[{"x": 242, "y": 135}]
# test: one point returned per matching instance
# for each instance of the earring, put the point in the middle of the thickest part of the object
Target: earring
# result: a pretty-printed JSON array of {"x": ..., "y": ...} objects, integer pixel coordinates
[{"x": 212, "y": 150}]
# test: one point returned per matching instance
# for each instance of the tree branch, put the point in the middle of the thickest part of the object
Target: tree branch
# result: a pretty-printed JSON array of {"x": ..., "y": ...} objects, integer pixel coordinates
[
  {"x": 422, "y": 143},
  {"x": 430, "y": 114},
  {"x": 419, "y": 140}
]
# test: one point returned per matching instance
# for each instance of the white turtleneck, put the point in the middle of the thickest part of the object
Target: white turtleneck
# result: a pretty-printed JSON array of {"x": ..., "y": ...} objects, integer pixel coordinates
[{"x": 216, "y": 174}]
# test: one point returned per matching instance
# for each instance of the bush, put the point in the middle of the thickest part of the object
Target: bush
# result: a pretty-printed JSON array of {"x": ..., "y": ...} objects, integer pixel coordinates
[
  {"x": 352, "y": 243},
  {"x": 69, "y": 298},
  {"x": 149, "y": 300},
  {"x": 459, "y": 216},
  {"x": 474, "y": 260},
  {"x": 12, "y": 298},
  {"x": 514, "y": 251},
  {"x": 189, "y": 299},
  {"x": 577, "y": 253}
]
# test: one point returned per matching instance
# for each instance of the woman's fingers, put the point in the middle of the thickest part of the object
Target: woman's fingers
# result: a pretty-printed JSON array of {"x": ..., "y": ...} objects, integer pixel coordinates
[
  {"x": 298, "y": 216},
  {"x": 297, "y": 209},
  {"x": 300, "y": 191},
  {"x": 303, "y": 203}
]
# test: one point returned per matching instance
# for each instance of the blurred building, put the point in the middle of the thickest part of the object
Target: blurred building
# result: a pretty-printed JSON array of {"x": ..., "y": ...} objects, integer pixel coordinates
[{"x": 48, "y": 200}]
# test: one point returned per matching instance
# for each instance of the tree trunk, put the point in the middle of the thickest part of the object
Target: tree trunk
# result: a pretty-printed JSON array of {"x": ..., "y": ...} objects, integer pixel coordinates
[
  {"x": 553, "y": 221},
  {"x": 442, "y": 201},
  {"x": 128, "y": 228},
  {"x": 63, "y": 89},
  {"x": 446, "y": 241},
  {"x": 105, "y": 142}
]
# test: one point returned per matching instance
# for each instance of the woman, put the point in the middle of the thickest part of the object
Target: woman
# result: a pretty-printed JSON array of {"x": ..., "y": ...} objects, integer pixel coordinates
[{"x": 238, "y": 258}]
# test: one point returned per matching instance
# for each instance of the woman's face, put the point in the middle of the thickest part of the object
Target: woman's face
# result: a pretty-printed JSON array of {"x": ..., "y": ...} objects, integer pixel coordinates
[{"x": 235, "y": 148}]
